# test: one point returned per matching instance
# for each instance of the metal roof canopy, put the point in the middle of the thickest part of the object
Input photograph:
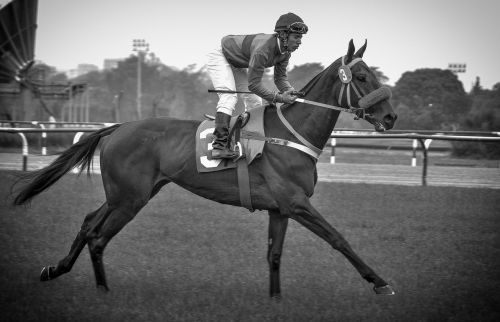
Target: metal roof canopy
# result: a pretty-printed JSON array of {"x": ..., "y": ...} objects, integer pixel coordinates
[{"x": 17, "y": 39}]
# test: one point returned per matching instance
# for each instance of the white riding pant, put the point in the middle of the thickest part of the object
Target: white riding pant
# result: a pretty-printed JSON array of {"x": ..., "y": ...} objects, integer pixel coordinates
[{"x": 226, "y": 77}]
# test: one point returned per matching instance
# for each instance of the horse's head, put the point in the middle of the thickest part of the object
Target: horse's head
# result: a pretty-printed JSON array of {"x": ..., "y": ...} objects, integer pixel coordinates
[{"x": 361, "y": 92}]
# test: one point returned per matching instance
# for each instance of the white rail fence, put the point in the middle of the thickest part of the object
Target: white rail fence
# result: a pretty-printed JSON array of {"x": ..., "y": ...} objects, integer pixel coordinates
[{"x": 425, "y": 138}]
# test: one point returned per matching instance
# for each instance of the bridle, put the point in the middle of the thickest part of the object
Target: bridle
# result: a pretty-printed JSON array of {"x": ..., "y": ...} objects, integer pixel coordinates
[
  {"x": 364, "y": 102},
  {"x": 345, "y": 76}
]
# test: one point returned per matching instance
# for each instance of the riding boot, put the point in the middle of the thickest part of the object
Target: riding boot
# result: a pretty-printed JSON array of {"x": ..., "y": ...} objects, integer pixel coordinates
[{"x": 220, "y": 144}]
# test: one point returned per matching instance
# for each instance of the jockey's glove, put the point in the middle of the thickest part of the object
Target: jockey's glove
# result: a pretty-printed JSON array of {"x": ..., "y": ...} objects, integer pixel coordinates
[{"x": 287, "y": 97}]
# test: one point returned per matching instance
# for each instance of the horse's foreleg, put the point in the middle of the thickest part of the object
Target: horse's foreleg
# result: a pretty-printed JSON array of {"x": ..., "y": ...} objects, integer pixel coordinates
[
  {"x": 308, "y": 216},
  {"x": 277, "y": 231},
  {"x": 65, "y": 265}
]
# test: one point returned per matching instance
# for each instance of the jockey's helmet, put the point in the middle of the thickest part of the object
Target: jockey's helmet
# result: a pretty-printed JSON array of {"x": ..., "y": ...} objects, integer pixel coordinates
[{"x": 291, "y": 23}]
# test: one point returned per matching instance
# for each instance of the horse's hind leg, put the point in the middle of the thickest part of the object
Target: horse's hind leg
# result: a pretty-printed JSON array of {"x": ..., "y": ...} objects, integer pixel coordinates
[
  {"x": 97, "y": 241},
  {"x": 65, "y": 265},
  {"x": 277, "y": 229},
  {"x": 127, "y": 203}
]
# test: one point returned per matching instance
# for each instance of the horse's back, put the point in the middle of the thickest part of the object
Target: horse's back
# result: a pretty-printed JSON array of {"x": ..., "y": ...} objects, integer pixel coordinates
[{"x": 148, "y": 145}]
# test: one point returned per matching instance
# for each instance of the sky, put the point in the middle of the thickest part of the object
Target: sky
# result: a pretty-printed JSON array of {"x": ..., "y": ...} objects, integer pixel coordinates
[{"x": 403, "y": 35}]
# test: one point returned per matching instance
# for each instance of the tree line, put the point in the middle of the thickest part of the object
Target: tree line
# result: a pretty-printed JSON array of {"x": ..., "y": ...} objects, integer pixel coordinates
[{"x": 424, "y": 99}]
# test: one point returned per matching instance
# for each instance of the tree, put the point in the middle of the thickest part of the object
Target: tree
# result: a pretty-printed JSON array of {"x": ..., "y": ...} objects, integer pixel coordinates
[
  {"x": 477, "y": 88},
  {"x": 300, "y": 75},
  {"x": 484, "y": 115},
  {"x": 430, "y": 99}
]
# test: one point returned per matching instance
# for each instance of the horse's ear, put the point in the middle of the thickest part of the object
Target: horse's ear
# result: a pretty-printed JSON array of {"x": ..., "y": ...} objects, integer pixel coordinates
[
  {"x": 350, "y": 52},
  {"x": 361, "y": 50}
]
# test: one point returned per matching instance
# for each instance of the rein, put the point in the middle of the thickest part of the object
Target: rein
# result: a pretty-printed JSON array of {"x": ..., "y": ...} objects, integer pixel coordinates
[{"x": 365, "y": 101}]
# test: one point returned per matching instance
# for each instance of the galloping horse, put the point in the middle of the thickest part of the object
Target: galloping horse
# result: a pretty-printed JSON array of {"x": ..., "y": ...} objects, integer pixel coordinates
[{"x": 138, "y": 158}]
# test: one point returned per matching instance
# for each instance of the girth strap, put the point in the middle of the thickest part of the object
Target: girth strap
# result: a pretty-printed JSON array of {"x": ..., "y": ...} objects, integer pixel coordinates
[
  {"x": 244, "y": 184},
  {"x": 242, "y": 163},
  {"x": 282, "y": 142}
]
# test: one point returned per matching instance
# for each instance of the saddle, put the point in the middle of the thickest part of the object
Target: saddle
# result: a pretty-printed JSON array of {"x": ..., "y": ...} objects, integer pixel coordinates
[{"x": 248, "y": 149}]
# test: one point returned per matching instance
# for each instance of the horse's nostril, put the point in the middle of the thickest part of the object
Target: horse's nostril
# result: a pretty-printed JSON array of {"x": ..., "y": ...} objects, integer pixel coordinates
[{"x": 390, "y": 118}]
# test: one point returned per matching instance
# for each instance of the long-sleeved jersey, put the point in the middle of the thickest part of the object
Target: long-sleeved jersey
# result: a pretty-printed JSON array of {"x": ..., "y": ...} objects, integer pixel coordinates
[{"x": 257, "y": 52}]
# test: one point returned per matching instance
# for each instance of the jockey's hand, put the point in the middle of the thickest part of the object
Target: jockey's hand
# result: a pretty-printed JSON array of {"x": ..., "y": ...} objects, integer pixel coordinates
[{"x": 289, "y": 96}]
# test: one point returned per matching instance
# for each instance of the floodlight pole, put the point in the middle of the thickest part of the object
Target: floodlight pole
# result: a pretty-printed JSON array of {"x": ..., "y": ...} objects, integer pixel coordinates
[{"x": 141, "y": 47}]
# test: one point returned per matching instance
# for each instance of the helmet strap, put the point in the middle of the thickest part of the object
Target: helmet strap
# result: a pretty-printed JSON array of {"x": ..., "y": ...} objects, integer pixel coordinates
[{"x": 283, "y": 35}]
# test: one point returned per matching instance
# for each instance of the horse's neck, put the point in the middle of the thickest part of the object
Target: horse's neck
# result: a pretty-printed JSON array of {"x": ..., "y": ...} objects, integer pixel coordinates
[{"x": 315, "y": 123}]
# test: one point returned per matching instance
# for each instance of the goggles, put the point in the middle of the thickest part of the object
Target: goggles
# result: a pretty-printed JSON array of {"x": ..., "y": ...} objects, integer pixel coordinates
[{"x": 298, "y": 27}]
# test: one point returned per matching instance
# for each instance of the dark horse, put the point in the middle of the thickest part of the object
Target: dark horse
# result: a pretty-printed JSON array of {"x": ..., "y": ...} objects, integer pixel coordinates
[{"x": 139, "y": 158}]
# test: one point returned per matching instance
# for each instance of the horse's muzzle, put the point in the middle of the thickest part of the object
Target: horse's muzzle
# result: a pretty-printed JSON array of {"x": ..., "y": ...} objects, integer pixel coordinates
[
  {"x": 389, "y": 120},
  {"x": 382, "y": 125}
]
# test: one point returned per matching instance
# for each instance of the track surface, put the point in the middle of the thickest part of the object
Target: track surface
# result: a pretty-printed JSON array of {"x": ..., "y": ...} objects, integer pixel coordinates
[{"x": 342, "y": 172}]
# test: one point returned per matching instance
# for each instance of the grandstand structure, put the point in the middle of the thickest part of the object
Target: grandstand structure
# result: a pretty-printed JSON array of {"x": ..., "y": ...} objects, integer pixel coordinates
[{"x": 25, "y": 93}]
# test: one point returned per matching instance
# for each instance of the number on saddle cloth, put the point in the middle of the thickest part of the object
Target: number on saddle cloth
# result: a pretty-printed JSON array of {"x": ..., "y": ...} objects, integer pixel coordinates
[{"x": 252, "y": 148}]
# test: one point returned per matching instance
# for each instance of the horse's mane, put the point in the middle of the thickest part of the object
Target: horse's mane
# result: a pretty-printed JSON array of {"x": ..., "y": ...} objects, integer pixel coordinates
[{"x": 333, "y": 66}]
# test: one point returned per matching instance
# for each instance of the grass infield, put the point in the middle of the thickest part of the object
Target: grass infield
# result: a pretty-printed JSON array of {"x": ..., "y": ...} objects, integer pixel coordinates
[{"x": 184, "y": 258}]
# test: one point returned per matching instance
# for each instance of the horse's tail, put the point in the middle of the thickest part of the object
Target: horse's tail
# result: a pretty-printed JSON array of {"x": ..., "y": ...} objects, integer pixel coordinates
[{"x": 79, "y": 154}]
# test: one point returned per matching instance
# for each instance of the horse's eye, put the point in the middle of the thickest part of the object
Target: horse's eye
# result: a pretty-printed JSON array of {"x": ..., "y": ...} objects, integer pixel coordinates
[{"x": 361, "y": 77}]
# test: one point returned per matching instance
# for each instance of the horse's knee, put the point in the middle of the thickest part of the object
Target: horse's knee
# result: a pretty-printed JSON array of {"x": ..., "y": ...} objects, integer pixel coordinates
[
  {"x": 274, "y": 260},
  {"x": 340, "y": 244},
  {"x": 96, "y": 245}
]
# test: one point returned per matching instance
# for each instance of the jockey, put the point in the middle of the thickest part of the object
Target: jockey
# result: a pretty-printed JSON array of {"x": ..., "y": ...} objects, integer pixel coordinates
[{"x": 239, "y": 64}]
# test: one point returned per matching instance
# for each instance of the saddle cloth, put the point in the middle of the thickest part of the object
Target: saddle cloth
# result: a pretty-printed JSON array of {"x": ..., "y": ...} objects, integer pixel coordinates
[{"x": 251, "y": 148}]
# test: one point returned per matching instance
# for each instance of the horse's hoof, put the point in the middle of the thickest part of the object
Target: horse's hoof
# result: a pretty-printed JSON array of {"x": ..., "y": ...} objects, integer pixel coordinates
[
  {"x": 103, "y": 288},
  {"x": 276, "y": 297},
  {"x": 45, "y": 274},
  {"x": 384, "y": 290}
]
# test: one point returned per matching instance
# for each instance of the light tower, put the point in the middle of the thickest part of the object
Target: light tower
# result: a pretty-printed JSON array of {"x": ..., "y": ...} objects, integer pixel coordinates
[{"x": 141, "y": 47}]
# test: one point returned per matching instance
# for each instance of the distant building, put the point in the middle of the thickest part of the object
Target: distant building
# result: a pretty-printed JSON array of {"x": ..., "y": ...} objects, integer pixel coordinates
[
  {"x": 110, "y": 63},
  {"x": 72, "y": 73},
  {"x": 86, "y": 68},
  {"x": 81, "y": 70}
]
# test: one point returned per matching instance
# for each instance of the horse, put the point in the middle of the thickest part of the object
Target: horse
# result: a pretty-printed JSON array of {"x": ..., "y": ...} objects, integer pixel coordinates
[{"x": 138, "y": 158}]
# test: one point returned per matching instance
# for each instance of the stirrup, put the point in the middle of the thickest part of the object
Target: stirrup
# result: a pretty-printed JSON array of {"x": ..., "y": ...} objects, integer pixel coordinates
[
  {"x": 225, "y": 154},
  {"x": 239, "y": 150},
  {"x": 233, "y": 155}
]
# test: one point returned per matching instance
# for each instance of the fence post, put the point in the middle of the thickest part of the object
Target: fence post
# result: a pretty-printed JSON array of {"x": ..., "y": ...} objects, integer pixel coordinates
[
  {"x": 44, "y": 140},
  {"x": 77, "y": 137},
  {"x": 424, "y": 168},
  {"x": 25, "y": 151},
  {"x": 332, "y": 156},
  {"x": 414, "y": 158}
]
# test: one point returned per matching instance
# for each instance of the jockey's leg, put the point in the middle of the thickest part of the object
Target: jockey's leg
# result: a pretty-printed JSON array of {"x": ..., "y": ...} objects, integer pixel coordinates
[
  {"x": 221, "y": 74},
  {"x": 221, "y": 149}
]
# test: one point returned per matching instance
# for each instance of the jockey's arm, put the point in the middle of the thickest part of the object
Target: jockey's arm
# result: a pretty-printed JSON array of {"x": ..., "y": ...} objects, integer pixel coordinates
[
  {"x": 281, "y": 78},
  {"x": 255, "y": 73}
]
